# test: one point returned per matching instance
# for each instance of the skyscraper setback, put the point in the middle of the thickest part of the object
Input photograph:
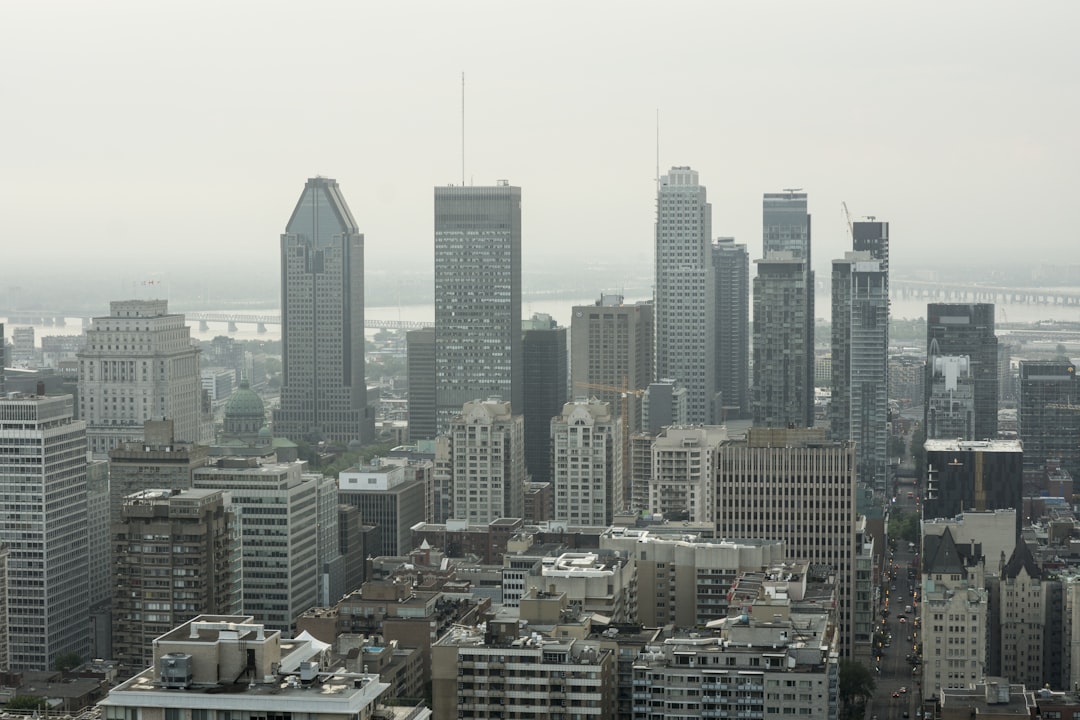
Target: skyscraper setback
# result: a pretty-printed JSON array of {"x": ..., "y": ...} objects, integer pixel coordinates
[
  {"x": 959, "y": 330},
  {"x": 686, "y": 291},
  {"x": 477, "y": 297},
  {"x": 324, "y": 389}
]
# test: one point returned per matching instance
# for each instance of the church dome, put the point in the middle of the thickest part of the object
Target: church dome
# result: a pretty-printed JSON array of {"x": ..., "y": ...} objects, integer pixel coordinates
[{"x": 245, "y": 403}]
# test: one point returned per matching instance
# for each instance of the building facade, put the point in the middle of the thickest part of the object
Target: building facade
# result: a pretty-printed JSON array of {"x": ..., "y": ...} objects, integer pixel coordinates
[
  {"x": 960, "y": 329},
  {"x": 1049, "y": 417},
  {"x": 545, "y": 374},
  {"x": 324, "y": 393},
  {"x": 731, "y": 263},
  {"x": 388, "y": 498},
  {"x": 682, "y": 484},
  {"x": 685, "y": 290},
  {"x": 973, "y": 475},
  {"x": 139, "y": 363},
  {"x": 477, "y": 297},
  {"x": 488, "y": 462},
  {"x": 420, "y": 359},
  {"x": 587, "y": 455},
  {"x": 158, "y": 461}
]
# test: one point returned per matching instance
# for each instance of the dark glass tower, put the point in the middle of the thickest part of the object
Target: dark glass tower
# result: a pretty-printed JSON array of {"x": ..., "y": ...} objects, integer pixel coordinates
[
  {"x": 1049, "y": 414},
  {"x": 959, "y": 330},
  {"x": 543, "y": 350},
  {"x": 324, "y": 389},
  {"x": 420, "y": 352},
  {"x": 731, "y": 264}
]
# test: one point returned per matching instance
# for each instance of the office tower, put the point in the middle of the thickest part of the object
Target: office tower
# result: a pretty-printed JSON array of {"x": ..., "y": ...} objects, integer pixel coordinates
[
  {"x": 23, "y": 348},
  {"x": 973, "y": 475},
  {"x": 792, "y": 485},
  {"x": 587, "y": 457},
  {"x": 731, "y": 265},
  {"x": 683, "y": 482},
  {"x": 264, "y": 675},
  {"x": 783, "y": 390},
  {"x": 277, "y": 506},
  {"x": 685, "y": 291},
  {"x": 99, "y": 580},
  {"x": 186, "y": 538},
  {"x": 3, "y": 357},
  {"x": 139, "y": 363},
  {"x": 611, "y": 347},
  {"x": 44, "y": 527},
  {"x": 958, "y": 329},
  {"x": 1049, "y": 416},
  {"x": 324, "y": 393},
  {"x": 859, "y": 411},
  {"x": 388, "y": 497},
  {"x": 420, "y": 369},
  {"x": 950, "y": 402},
  {"x": 477, "y": 297},
  {"x": 488, "y": 462},
  {"x": 544, "y": 376},
  {"x": 158, "y": 461},
  {"x": 662, "y": 404}
]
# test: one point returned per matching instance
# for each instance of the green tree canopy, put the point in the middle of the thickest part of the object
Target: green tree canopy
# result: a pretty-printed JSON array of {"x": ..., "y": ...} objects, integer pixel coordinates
[{"x": 856, "y": 682}]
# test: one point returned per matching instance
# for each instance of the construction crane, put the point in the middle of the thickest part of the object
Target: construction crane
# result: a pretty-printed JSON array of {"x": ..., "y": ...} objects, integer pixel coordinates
[
  {"x": 625, "y": 392},
  {"x": 847, "y": 217}
]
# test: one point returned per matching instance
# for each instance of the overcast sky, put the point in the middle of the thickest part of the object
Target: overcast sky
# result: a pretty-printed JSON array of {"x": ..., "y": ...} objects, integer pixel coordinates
[{"x": 144, "y": 133}]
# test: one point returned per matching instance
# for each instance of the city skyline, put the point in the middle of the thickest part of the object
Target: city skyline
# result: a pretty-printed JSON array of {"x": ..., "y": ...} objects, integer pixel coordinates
[{"x": 945, "y": 129}]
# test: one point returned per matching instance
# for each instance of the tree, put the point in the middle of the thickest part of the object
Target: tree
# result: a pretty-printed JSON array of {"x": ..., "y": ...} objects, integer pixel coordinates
[
  {"x": 918, "y": 450},
  {"x": 897, "y": 448},
  {"x": 856, "y": 682},
  {"x": 25, "y": 702},
  {"x": 905, "y": 527},
  {"x": 67, "y": 661}
]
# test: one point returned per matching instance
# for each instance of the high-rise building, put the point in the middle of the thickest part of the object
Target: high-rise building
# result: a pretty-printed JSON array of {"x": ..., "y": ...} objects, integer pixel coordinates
[
  {"x": 732, "y": 267},
  {"x": 44, "y": 526},
  {"x": 860, "y": 364},
  {"x": 543, "y": 354},
  {"x": 611, "y": 347},
  {"x": 3, "y": 357},
  {"x": 662, "y": 404},
  {"x": 187, "y": 538},
  {"x": 961, "y": 329},
  {"x": 488, "y": 462},
  {"x": 685, "y": 291},
  {"x": 160, "y": 461},
  {"x": 388, "y": 498},
  {"x": 324, "y": 391},
  {"x": 420, "y": 360},
  {"x": 950, "y": 402},
  {"x": 976, "y": 475},
  {"x": 477, "y": 297},
  {"x": 139, "y": 363},
  {"x": 1049, "y": 416},
  {"x": 683, "y": 481},
  {"x": 792, "y": 485},
  {"x": 587, "y": 456},
  {"x": 783, "y": 390}
]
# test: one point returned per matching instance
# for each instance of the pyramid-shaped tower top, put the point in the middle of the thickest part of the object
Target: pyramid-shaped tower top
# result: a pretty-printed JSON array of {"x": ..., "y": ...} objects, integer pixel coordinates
[{"x": 321, "y": 213}]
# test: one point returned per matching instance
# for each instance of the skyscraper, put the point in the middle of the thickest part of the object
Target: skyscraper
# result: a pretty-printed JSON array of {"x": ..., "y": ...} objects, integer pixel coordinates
[
  {"x": 1049, "y": 416},
  {"x": 138, "y": 364},
  {"x": 975, "y": 475},
  {"x": 477, "y": 297},
  {"x": 324, "y": 389},
  {"x": 44, "y": 526},
  {"x": 860, "y": 341},
  {"x": 966, "y": 329},
  {"x": 686, "y": 291},
  {"x": 731, "y": 264},
  {"x": 588, "y": 472},
  {"x": 783, "y": 389},
  {"x": 544, "y": 376},
  {"x": 488, "y": 462},
  {"x": 420, "y": 358}
]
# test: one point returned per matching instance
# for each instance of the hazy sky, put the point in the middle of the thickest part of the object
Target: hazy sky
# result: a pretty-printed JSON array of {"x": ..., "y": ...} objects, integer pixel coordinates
[{"x": 145, "y": 133}]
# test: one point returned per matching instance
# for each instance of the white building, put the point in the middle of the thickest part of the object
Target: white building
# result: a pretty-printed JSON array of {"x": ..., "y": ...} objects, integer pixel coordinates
[
  {"x": 587, "y": 470},
  {"x": 683, "y": 479},
  {"x": 488, "y": 462}
]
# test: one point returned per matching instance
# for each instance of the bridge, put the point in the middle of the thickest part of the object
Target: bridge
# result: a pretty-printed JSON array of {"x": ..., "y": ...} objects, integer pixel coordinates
[
  {"x": 60, "y": 318},
  {"x": 977, "y": 292}
]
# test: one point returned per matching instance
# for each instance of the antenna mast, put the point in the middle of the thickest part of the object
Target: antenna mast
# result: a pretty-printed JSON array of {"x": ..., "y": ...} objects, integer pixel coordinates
[{"x": 463, "y": 128}]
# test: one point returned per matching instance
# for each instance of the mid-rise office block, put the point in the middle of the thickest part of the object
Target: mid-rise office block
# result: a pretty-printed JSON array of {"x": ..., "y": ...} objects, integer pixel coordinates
[
  {"x": 682, "y": 484},
  {"x": 794, "y": 486},
  {"x": 477, "y": 297},
  {"x": 1049, "y": 417},
  {"x": 324, "y": 394},
  {"x": 950, "y": 409},
  {"x": 731, "y": 263},
  {"x": 388, "y": 498},
  {"x": 685, "y": 290},
  {"x": 587, "y": 457},
  {"x": 783, "y": 388},
  {"x": 663, "y": 404},
  {"x": 44, "y": 526},
  {"x": 973, "y": 475},
  {"x": 956, "y": 329},
  {"x": 174, "y": 557},
  {"x": 488, "y": 462},
  {"x": 139, "y": 363},
  {"x": 420, "y": 358},
  {"x": 159, "y": 461},
  {"x": 611, "y": 347},
  {"x": 543, "y": 352},
  {"x": 859, "y": 410}
]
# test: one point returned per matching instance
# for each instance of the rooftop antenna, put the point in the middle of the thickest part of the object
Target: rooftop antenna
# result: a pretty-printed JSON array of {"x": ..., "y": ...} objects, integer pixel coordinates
[{"x": 463, "y": 128}]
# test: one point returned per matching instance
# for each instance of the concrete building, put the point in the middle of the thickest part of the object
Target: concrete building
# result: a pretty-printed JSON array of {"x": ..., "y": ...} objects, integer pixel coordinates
[
  {"x": 99, "y": 582},
  {"x": 731, "y": 264},
  {"x": 187, "y": 541},
  {"x": 959, "y": 329},
  {"x": 545, "y": 375},
  {"x": 488, "y": 462},
  {"x": 663, "y": 404},
  {"x": 139, "y": 363},
  {"x": 973, "y": 475},
  {"x": 587, "y": 457},
  {"x": 593, "y": 582},
  {"x": 229, "y": 665},
  {"x": 420, "y": 359},
  {"x": 278, "y": 509},
  {"x": 477, "y": 297},
  {"x": 1049, "y": 417},
  {"x": 950, "y": 409},
  {"x": 859, "y": 410},
  {"x": 682, "y": 484},
  {"x": 388, "y": 498},
  {"x": 324, "y": 394},
  {"x": 611, "y": 345},
  {"x": 685, "y": 290},
  {"x": 23, "y": 348},
  {"x": 44, "y": 527},
  {"x": 159, "y": 460},
  {"x": 907, "y": 377},
  {"x": 794, "y": 486}
]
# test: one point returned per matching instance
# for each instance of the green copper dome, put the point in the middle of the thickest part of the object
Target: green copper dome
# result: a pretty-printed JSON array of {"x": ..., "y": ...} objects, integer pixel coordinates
[{"x": 246, "y": 403}]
